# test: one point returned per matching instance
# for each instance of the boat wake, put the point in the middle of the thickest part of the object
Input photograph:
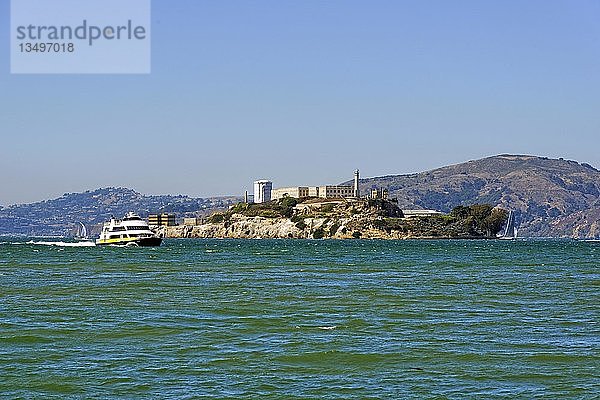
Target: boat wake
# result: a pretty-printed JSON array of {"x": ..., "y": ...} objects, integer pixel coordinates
[{"x": 63, "y": 244}]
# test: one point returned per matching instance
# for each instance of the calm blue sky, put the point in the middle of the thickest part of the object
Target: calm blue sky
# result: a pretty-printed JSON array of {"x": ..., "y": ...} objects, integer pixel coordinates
[{"x": 303, "y": 92}]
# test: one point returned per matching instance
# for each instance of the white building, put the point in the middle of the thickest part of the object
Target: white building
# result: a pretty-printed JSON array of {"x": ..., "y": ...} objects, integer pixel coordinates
[
  {"x": 262, "y": 191},
  {"x": 192, "y": 221},
  {"x": 325, "y": 192},
  {"x": 338, "y": 191},
  {"x": 297, "y": 192}
]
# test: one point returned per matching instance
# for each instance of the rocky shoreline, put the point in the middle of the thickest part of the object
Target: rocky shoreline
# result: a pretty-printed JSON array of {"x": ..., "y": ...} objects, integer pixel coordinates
[{"x": 342, "y": 220}]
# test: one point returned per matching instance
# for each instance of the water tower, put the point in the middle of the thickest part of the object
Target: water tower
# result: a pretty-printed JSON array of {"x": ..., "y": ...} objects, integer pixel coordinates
[{"x": 262, "y": 191}]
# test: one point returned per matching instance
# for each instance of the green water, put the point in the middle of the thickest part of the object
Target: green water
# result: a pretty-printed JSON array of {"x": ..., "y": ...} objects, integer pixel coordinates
[{"x": 301, "y": 319}]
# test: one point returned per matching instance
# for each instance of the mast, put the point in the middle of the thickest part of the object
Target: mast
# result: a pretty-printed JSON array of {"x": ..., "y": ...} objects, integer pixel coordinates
[{"x": 510, "y": 231}]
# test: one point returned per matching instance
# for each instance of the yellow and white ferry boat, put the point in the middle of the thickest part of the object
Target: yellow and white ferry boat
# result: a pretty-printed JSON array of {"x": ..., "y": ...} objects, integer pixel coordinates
[{"x": 129, "y": 231}]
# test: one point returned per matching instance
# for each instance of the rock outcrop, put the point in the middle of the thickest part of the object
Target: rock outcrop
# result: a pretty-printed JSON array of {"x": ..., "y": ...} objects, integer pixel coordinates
[{"x": 341, "y": 219}]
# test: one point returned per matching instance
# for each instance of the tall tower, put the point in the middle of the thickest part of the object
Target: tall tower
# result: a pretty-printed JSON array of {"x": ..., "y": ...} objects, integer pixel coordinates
[
  {"x": 356, "y": 189},
  {"x": 262, "y": 191}
]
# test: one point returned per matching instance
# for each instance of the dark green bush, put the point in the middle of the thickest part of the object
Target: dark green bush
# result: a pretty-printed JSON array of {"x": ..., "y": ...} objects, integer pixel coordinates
[
  {"x": 327, "y": 208},
  {"x": 480, "y": 219},
  {"x": 319, "y": 233},
  {"x": 301, "y": 225},
  {"x": 334, "y": 228},
  {"x": 216, "y": 218},
  {"x": 288, "y": 202}
]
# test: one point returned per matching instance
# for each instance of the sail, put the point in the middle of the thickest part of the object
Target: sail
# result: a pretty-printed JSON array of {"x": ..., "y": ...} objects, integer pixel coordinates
[
  {"x": 82, "y": 231},
  {"x": 511, "y": 229}
]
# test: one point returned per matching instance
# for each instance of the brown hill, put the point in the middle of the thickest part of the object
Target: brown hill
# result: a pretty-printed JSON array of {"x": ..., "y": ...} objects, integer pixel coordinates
[{"x": 551, "y": 198}]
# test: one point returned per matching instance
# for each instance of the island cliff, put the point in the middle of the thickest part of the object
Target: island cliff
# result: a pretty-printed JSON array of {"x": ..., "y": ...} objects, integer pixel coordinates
[
  {"x": 549, "y": 198},
  {"x": 341, "y": 219}
]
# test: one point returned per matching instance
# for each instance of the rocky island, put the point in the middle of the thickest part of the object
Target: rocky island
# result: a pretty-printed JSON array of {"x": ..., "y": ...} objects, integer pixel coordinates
[
  {"x": 316, "y": 218},
  {"x": 549, "y": 198}
]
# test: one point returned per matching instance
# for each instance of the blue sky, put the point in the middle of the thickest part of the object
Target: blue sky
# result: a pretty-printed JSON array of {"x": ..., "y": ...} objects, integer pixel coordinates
[{"x": 304, "y": 92}]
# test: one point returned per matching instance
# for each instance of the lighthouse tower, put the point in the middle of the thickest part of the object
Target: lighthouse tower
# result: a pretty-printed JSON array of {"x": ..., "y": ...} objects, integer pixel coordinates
[{"x": 356, "y": 189}]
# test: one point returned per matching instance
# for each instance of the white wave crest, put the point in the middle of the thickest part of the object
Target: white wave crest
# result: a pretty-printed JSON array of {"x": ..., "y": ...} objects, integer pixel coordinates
[{"x": 64, "y": 244}]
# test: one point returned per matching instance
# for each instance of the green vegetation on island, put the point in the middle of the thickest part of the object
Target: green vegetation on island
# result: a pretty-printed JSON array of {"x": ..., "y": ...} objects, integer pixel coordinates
[{"x": 344, "y": 219}]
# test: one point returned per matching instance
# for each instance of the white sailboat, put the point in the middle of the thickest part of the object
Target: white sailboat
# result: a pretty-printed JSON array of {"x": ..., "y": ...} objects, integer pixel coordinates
[
  {"x": 511, "y": 231},
  {"x": 82, "y": 233}
]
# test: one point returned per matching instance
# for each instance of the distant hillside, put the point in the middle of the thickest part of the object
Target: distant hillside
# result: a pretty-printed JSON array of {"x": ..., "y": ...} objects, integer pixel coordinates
[
  {"x": 552, "y": 198},
  {"x": 60, "y": 216}
]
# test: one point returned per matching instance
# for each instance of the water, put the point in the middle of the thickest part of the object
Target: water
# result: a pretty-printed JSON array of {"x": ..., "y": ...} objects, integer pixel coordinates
[{"x": 301, "y": 319}]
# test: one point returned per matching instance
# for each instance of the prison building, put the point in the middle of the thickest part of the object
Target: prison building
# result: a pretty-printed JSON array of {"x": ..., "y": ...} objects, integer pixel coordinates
[{"x": 161, "y": 219}]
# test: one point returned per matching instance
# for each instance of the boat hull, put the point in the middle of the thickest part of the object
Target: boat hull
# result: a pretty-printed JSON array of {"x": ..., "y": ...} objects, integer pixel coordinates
[{"x": 138, "y": 242}]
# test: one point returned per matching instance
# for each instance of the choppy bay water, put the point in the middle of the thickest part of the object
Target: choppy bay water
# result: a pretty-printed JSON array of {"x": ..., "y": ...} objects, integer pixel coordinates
[{"x": 301, "y": 319}]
